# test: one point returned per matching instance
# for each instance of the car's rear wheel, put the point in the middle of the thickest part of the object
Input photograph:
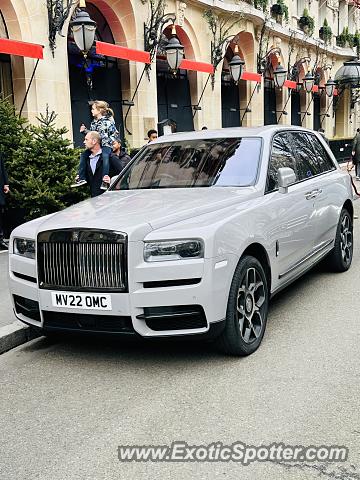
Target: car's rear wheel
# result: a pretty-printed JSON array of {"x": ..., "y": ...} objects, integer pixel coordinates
[
  {"x": 340, "y": 257},
  {"x": 247, "y": 309}
]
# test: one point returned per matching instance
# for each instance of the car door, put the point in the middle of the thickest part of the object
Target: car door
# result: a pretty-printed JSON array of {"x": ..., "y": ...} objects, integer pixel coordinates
[
  {"x": 328, "y": 202},
  {"x": 321, "y": 184},
  {"x": 291, "y": 213}
]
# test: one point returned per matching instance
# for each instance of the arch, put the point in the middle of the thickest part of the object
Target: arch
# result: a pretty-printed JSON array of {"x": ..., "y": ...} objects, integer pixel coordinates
[
  {"x": 245, "y": 42},
  {"x": 12, "y": 70},
  {"x": 121, "y": 20}
]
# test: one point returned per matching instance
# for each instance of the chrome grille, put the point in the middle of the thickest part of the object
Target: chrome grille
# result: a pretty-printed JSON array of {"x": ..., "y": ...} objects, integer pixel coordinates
[{"x": 82, "y": 260}]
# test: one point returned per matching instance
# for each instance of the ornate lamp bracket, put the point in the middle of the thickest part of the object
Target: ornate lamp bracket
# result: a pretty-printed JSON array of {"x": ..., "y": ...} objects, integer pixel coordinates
[
  {"x": 153, "y": 28},
  {"x": 58, "y": 12}
]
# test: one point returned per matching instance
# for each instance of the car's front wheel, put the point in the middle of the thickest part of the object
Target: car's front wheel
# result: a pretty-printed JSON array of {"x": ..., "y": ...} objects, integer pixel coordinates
[
  {"x": 247, "y": 309},
  {"x": 340, "y": 257}
]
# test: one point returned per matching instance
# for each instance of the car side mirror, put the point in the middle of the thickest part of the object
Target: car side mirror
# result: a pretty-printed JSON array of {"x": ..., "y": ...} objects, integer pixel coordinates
[{"x": 286, "y": 177}]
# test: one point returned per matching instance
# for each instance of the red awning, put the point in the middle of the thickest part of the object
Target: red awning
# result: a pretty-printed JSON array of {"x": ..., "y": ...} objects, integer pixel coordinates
[
  {"x": 111, "y": 50},
  {"x": 22, "y": 49},
  {"x": 197, "y": 66},
  {"x": 251, "y": 77},
  {"x": 336, "y": 93},
  {"x": 315, "y": 88},
  {"x": 290, "y": 84}
]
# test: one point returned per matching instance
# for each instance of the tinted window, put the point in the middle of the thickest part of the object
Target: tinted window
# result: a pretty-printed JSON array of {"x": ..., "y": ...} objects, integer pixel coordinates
[
  {"x": 281, "y": 156},
  {"x": 194, "y": 163},
  {"x": 306, "y": 162},
  {"x": 324, "y": 161}
]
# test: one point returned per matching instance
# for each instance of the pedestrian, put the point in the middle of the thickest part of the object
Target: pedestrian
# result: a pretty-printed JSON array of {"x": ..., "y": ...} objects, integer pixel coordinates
[
  {"x": 118, "y": 158},
  {"x": 152, "y": 135},
  {"x": 94, "y": 164},
  {"x": 104, "y": 124},
  {"x": 356, "y": 153},
  {"x": 4, "y": 189}
]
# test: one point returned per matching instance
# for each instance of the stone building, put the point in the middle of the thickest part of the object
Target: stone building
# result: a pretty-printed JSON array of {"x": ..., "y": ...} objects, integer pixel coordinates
[{"x": 266, "y": 35}]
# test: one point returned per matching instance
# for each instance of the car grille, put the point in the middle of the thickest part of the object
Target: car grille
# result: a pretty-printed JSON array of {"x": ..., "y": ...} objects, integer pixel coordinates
[{"x": 91, "y": 260}]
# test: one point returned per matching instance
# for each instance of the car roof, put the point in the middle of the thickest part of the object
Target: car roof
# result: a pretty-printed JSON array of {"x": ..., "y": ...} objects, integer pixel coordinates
[{"x": 263, "y": 131}]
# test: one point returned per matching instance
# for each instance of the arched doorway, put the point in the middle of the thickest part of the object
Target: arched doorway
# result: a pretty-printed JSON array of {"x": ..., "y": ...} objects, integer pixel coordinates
[
  {"x": 298, "y": 98},
  {"x": 319, "y": 99},
  {"x": 232, "y": 95},
  {"x": 173, "y": 91},
  {"x": 272, "y": 96},
  {"x": 6, "y": 88},
  {"x": 97, "y": 79}
]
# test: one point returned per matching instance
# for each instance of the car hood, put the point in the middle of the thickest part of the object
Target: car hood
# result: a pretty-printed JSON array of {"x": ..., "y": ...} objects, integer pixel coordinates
[{"x": 137, "y": 212}]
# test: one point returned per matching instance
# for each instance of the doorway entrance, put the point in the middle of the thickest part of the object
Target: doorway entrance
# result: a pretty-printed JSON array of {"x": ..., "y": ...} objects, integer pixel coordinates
[{"x": 99, "y": 78}]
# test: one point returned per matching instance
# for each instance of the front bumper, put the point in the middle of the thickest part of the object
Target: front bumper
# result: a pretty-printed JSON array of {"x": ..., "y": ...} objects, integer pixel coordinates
[{"x": 164, "y": 299}]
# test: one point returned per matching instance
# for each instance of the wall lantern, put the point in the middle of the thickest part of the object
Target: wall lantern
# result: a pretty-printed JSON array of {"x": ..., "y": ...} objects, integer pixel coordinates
[
  {"x": 330, "y": 87},
  {"x": 174, "y": 51},
  {"x": 308, "y": 81},
  {"x": 236, "y": 66},
  {"x": 298, "y": 86},
  {"x": 280, "y": 75},
  {"x": 83, "y": 29}
]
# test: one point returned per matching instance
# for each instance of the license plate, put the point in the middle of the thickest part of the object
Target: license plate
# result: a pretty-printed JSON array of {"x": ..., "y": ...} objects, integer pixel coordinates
[{"x": 84, "y": 301}]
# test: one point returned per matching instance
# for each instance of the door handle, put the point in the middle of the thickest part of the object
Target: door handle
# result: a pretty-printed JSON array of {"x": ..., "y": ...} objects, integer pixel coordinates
[
  {"x": 313, "y": 194},
  {"x": 309, "y": 195}
]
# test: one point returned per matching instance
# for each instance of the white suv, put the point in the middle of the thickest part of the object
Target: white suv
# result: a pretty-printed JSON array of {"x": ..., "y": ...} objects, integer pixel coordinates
[{"x": 193, "y": 237}]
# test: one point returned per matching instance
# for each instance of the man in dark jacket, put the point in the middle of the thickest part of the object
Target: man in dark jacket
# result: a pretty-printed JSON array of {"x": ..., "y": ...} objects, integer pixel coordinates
[
  {"x": 118, "y": 158},
  {"x": 4, "y": 189},
  {"x": 94, "y": 162},
  {"x": 356, "y": 153}
]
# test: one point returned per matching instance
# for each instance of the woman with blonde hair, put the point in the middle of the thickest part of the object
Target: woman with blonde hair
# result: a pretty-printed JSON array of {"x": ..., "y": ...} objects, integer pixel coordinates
[{"x": 104, "y": 124}]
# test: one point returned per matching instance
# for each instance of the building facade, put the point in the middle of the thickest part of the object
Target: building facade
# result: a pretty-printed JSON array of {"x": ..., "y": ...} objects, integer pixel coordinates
[{"x": 265, "y": 32}]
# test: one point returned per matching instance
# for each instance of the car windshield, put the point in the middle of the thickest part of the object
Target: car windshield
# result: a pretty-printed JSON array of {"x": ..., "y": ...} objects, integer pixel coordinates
[{"x": 193, "y": 163}]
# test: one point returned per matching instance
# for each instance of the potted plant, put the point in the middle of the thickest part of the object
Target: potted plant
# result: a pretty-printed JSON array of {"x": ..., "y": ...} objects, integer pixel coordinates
[
  {"x": 261, "y": 4},
  {"x": 345, "y": 38},
  {"x": 357, "y": 42},
  {"x": 325, "y": 32},
  {"x": 306, "y": 22},
  {"x": 280, "y": 10}
]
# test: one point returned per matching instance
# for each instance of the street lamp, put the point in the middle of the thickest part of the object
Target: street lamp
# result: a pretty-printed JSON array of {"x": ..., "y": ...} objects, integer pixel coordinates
[
  {"x": 236, "y": 66},
  {"x": 280, "y": 76},
  {"x": 308, "y": 81},
  {"x": 330, "y": 87},
  {"x": 83, "y": 28},
  {"x": 174, "y": 51}
]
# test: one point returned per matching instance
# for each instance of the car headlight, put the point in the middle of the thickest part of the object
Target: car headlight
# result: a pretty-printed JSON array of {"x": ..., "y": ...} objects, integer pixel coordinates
[
  {"x": 173, "y": 250},
  {"x": 24, "y": 247}
]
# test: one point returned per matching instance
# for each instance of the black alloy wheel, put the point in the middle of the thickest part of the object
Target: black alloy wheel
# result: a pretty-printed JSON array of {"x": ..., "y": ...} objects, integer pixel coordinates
[
  {"x": 247, "y": 309},
  {"x": 340, "y": 257}
]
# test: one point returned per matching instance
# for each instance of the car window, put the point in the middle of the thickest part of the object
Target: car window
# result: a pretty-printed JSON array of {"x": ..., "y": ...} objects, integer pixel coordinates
[
  {"x": 194, "y": 163},
  {"x": 307, "y": 165},
  {"x": 323, "y": 158},
  {"x": 281, "y": 156}
]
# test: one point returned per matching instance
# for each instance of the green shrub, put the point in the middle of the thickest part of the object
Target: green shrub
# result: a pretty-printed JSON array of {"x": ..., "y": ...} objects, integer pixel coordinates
[{"x": 41, "y": 163}]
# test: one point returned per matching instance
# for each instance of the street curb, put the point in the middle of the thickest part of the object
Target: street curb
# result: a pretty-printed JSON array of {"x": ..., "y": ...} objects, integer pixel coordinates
[{"x": 15, "y": 334}]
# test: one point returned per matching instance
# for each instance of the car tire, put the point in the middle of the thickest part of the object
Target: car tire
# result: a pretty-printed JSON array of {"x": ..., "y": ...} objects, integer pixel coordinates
[
  {"x": 340, "y": 257},
  {"x": 247, "y": 309}
]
